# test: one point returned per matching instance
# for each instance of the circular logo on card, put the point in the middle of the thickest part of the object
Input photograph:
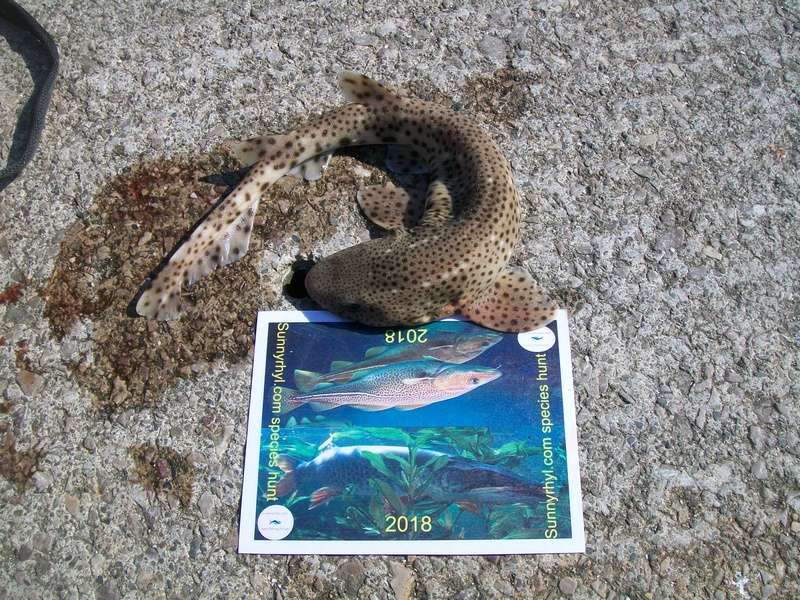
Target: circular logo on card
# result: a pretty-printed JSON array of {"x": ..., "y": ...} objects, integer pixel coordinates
[
  {"x": 275, "y": 522},
  {"x": 537, "y": 340}
]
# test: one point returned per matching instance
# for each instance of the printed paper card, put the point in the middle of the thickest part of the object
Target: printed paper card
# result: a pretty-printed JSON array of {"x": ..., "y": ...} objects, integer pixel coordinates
[{"x": 446, "y": 438}]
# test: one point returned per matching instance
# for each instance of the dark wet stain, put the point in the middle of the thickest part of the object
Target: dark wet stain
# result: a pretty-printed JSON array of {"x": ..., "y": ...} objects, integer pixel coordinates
[
  {"x": 21, "y": 359},
  {"x": 502, "y": 97},
  {"x": 295, "y": 285},
  {"x": 139, "y": 218},
  {"x": 17, "y": 466},
  {"x": 164, "y": 471},
  {"x": 424, "y": 89},
  {"x": 569, "y": 298}
]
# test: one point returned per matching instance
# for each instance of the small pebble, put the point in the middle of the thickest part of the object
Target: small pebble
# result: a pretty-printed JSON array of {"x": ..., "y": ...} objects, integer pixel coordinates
[
  {"x": 567, "y": 585},
  {"x": 493, "y": 47},
  {"x": 759, "y": 470},
  {"x": 41, "y": 481}
]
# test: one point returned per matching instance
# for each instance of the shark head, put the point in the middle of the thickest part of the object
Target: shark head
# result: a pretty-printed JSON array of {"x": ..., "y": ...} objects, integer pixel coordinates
[{"x": 356, "y": 284}]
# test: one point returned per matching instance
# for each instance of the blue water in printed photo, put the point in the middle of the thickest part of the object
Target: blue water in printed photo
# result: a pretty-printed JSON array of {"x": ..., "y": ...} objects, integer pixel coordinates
[{"x": 474, "y": 466}]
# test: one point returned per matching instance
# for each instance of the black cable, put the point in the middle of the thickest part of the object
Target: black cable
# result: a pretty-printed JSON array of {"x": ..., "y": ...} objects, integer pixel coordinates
[{"x": 13, "y": 21}]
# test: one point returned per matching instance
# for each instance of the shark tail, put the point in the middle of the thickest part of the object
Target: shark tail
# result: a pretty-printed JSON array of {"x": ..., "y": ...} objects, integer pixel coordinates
[{"x": 223, "y": 235}]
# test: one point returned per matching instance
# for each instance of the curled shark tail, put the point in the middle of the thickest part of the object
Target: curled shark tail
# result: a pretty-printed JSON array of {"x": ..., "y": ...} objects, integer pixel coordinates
[{"x": 220, "y": 238}]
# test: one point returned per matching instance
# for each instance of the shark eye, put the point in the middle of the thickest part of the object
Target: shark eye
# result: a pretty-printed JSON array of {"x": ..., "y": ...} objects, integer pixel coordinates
[{"x": 474, "y": 381}]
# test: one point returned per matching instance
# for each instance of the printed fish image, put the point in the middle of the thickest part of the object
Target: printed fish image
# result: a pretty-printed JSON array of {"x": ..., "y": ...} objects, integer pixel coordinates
[
  {"x": 452, "y": 259},
  {"x": 447, "y": 341},
  {"x": 455, "y": 480},
  {"x": 405, "y": 386}
]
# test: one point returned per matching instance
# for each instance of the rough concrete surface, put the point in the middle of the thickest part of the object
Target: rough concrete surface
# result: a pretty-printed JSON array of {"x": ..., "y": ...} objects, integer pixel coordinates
[{"x": 655, "y": 146}]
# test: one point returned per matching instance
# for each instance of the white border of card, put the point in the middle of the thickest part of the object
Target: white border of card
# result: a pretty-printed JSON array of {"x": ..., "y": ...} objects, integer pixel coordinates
[{"x": 248, "y": 544}]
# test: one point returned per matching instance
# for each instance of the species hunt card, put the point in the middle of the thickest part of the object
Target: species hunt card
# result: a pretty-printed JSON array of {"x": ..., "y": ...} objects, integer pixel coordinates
[{"x": 446, "y": 438}]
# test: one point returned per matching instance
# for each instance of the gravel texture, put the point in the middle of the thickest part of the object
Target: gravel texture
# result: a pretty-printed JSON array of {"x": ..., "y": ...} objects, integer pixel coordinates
[{"x": 655, "y": 146}]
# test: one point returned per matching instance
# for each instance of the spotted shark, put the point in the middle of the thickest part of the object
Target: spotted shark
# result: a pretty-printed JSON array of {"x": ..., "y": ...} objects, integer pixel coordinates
[{"x": 447, "y": 253}]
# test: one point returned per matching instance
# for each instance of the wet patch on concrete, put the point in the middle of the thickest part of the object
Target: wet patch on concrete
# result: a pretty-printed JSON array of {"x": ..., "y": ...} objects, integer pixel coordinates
[
  {"x": 164, "y": 472},
  {"x": 424, "y": 89},
  {"x": 504, "y": 96},
  {"x": 135, "y": 221}
]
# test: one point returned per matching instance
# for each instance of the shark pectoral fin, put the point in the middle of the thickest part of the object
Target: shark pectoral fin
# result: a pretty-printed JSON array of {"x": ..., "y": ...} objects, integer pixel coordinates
[
  {"x": 513, "y": 303},
  {"x": 391, "y": 207},
  {"x": 406, "y": 160},
  {"x": 438, "y": 204},
  {"x": 322, "y": 496},
  {"x": 312, "y": 169},
  {"x": 306, "y": 380}
]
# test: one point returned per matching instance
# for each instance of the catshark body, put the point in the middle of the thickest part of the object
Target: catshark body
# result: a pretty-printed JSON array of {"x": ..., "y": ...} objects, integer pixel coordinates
[{"x": 453, "y": 260}]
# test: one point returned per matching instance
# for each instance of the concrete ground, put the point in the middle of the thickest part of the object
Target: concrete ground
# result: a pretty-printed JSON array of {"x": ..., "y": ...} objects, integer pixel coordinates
[{"x": 655, "y": 147}]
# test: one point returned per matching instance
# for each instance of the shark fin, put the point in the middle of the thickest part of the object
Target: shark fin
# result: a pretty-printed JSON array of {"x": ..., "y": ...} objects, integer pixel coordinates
[
  {"x": 391, "y": 207},
  {"x": 363, "y": 90},
  {"x": 438, "y": 204},
  {"x": 513, "y": 303}
]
